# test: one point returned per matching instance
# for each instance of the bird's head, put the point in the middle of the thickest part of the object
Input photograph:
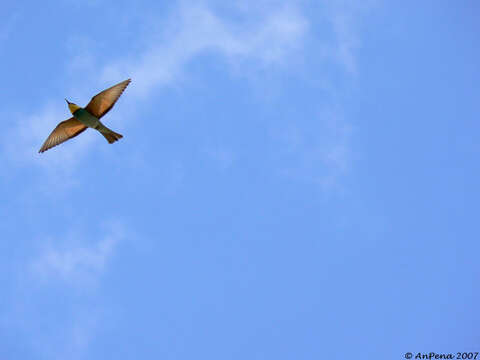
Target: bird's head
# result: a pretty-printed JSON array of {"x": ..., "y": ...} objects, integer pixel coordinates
[{"x": 73, "y": 107}]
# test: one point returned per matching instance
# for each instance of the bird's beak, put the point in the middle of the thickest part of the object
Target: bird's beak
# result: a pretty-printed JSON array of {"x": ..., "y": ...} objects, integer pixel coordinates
[{"x": 68, "y": 102}]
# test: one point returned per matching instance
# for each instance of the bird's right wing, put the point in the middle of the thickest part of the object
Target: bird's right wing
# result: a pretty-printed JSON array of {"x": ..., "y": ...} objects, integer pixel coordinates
[
  {"x": 65, "y": 130},
  {"x": 104, "y": 101}
]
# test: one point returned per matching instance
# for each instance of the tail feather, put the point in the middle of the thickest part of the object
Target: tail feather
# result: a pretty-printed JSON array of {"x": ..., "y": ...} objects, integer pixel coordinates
[{"x": 110, "y": 135}]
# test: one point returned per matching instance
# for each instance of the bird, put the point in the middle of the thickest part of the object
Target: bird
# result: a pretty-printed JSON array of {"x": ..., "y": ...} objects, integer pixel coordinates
[{"x": 88, "y": 117}]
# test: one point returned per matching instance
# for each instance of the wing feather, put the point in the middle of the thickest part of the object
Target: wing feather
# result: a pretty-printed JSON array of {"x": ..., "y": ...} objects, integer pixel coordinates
[
  {"x": 64, "y": 131},
  {"x": 104, "y": 101}
]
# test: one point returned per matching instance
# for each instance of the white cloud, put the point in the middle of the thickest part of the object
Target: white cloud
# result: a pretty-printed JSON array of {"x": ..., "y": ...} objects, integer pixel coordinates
[
  {"x": 347, "y": 42},
  {"x": 195, "y": 28},
  {"x": 262, "y": 34},
  {"x": 71, "y": 262},
  {"x": 58, "y": 166},
  {"x": 320, "y": 151},
  {"x": 192, "y": 28},
  {"x": 26, "y": 138},
  {"x": 346, "y": 17},
  {"x": 69, "y": 267}
]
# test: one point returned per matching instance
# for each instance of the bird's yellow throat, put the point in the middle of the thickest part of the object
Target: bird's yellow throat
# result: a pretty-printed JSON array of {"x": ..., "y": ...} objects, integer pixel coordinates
[{"x": 73, "y": 107}]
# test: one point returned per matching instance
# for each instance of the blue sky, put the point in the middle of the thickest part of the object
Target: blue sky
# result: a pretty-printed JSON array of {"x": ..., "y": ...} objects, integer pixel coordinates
[{"x": 297, "y": 180}]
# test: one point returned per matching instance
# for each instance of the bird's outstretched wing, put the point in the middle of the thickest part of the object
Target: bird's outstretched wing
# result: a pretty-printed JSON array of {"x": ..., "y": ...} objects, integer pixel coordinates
[
  {"x": 65, "y": 130},
  {"x": 104, "y": 101}
]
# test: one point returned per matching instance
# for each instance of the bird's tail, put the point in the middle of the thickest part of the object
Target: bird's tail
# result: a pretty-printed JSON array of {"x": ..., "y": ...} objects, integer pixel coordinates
[{"x": 110, "y": 135}]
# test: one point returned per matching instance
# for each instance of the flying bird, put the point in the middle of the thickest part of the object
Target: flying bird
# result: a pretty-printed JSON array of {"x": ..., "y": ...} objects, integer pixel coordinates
[{"x": 88, "y": 117}]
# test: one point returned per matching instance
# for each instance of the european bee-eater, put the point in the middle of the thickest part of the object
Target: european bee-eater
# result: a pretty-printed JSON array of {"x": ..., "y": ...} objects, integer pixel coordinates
[{"x": 88, "y": 117}]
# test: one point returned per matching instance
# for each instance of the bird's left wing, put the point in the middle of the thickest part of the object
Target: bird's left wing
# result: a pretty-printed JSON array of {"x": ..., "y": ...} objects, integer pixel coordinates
[
  {"x": 104, "y": 101},
  {"x": 65, "y": 130}
]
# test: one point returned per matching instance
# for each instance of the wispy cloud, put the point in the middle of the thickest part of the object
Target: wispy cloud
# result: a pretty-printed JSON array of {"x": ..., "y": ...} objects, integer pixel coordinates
[
  {"x": 74, "y": 261},
  {"x": 195, "y": 28},
  {"x": 320, "y": 150},
  {"x": 57, "y": 169},
  {"x": 26, "y": 138},
  {"x": 70, "y": 266},
  {"x": 192, "y": 28},
  {"x": 346, "y": 18},
  {"x": 260, "y": 35},
  {"x": 347, "y": 41}
]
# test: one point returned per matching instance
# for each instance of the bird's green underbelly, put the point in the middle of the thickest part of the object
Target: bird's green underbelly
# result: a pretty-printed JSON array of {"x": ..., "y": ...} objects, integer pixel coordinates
[{"x": 86, "y": 118}]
